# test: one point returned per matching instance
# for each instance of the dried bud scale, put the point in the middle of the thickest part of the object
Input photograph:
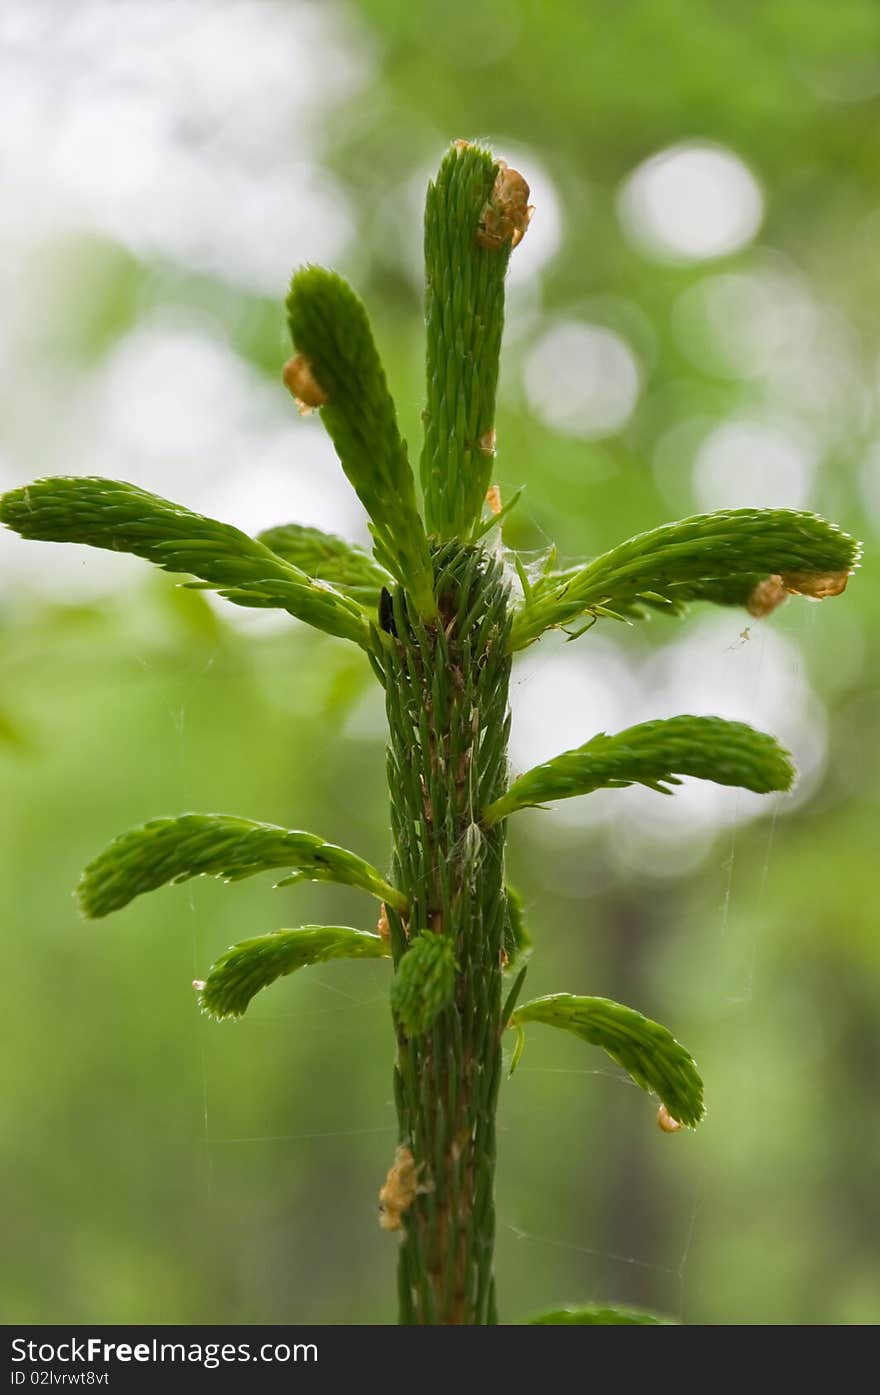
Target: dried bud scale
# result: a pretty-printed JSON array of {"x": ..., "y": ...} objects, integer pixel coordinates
[{"x": 301, "y": 384}]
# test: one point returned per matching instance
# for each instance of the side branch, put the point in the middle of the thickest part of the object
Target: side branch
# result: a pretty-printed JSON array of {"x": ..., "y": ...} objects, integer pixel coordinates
[
  {"x": 120, "y": 517},
  {"x": 655, "y": 754},
  {"x": 721, "y": 557},
  {"x": 218, "y": 845}
]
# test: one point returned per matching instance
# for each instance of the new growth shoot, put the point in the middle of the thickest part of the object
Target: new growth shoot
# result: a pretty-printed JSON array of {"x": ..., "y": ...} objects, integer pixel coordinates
[{"x": 438, "y": 621}]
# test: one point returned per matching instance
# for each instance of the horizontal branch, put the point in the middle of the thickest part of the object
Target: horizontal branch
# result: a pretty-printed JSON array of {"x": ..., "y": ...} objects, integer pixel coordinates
[
  {"x": 252, "y": 965},
  {"x": 120, "y": 517},
  {"x": 655, "y": 754},
  {"x": 648, "y": 1053},
  {"x": 217, "y": 845},
  {"x": 719, "y": 557}
]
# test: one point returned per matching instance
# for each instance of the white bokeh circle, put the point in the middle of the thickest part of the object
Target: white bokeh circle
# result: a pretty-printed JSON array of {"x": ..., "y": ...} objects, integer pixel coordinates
[
  {"x": 582, "y": 379},
  {"x": 691, "y": 202}
]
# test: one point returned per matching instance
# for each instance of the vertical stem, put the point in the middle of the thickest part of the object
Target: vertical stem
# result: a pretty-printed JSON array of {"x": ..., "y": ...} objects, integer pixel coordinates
[
  {"x": 464, "y": 317},
  {"x": 446, "y": 694}
]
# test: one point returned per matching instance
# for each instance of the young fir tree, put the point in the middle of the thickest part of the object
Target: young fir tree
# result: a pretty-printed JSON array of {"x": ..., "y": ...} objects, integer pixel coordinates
[{"x": 439, "y": 611}]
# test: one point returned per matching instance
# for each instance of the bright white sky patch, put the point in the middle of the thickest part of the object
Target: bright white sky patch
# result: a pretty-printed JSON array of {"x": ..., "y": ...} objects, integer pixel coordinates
[
  {"x": 190, "y": 133},
  {"x": 691, "y": 202},
  {"x": 561, "y": 698},
  {"x": 582, "y": 379},
  {"x": 195, "y": 422},
  {"x": 152, "y": 131},
  {"x": 713, "y": 670},
  {"x": 561, "y": 695},
  {"x": 174, "y": 410},
  {"x": 754, "y": 464}
]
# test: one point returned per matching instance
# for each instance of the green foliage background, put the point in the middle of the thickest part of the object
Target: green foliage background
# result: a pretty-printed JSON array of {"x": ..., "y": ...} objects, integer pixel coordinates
[{"x": 159, "y": 1167}]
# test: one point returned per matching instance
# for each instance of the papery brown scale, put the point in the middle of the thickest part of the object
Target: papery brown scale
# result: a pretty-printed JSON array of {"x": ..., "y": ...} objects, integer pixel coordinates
[
  {"x": 817, "y": 585},
  {"x": 301, "y": 383},
  {"x": 766, "y": 596},
  {"x": 506, "y": 215}
]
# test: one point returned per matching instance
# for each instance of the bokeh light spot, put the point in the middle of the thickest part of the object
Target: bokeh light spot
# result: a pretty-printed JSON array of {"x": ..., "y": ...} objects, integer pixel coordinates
[
  {"x": 691, "y": 202},
  {"x": 748, "y": 463},
  {"x": 582, "y": 379},
  {"x": 748, "y": 324}
]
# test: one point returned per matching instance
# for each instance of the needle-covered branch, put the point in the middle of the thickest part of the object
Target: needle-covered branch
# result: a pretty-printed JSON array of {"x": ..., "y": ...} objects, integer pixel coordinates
[
  {"x": 465, "y": 265},
  {"x": 246, "y": 968},
  {"x": 655, "y": 754},
  {"x": 647, "y": 1052},
  {"x": 217, "y": 845},
  {"x": 122, "y": 518},
  {"x": 720, "y": 557},
  {"x": 329, "y": 327},
  {"x": 325, "y": 557}
]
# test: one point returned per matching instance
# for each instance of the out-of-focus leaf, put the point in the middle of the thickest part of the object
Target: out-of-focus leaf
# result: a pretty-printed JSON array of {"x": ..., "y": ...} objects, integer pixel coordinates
[
  {"x": 594, "y": 1316},
  {"x": 11, "y": 734},
  {"x": 517, "y": 940}
]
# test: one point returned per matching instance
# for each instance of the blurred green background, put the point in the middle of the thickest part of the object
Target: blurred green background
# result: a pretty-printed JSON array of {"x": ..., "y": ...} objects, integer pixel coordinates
[{"x": 692, "y": 324}]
